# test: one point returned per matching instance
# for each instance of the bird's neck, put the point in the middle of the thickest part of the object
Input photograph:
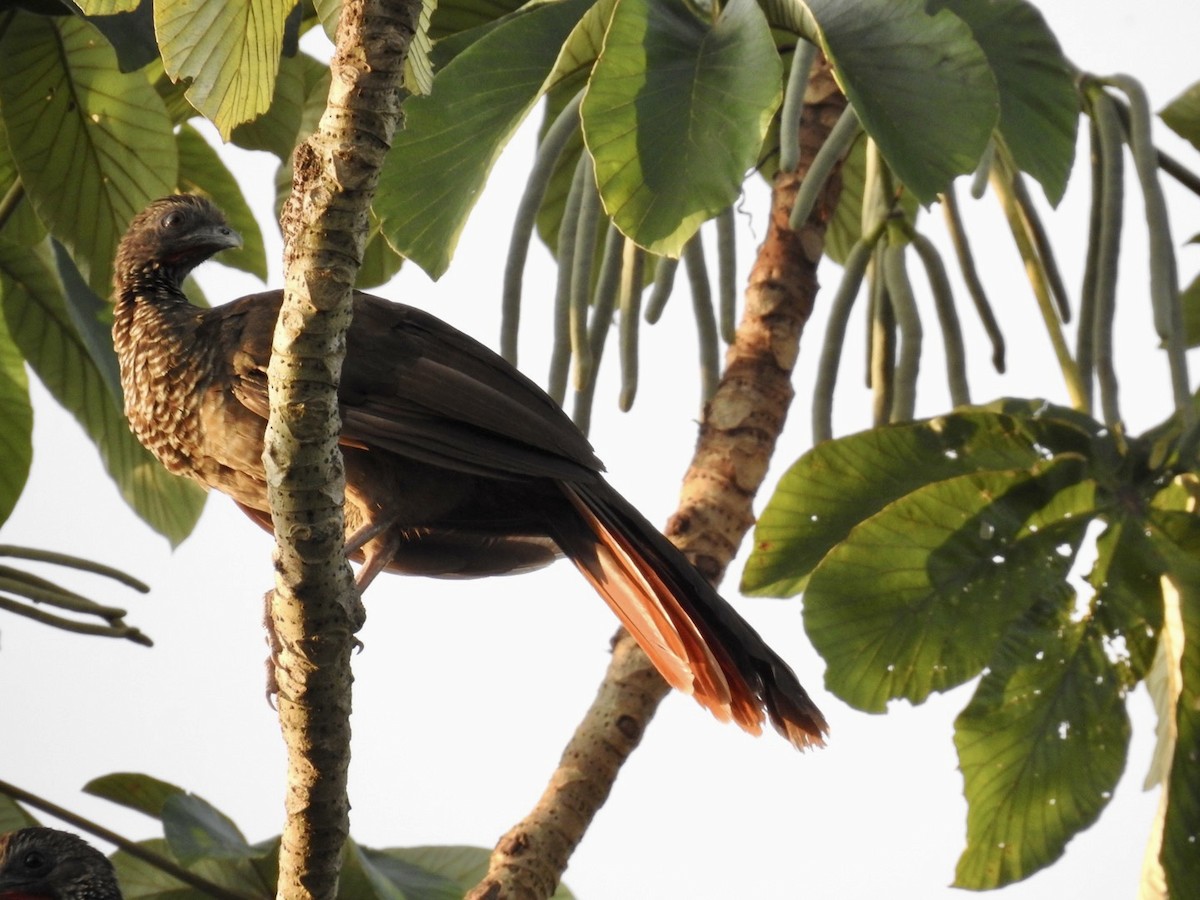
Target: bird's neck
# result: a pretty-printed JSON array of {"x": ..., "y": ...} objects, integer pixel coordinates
[{"x": 163, "y": 367}]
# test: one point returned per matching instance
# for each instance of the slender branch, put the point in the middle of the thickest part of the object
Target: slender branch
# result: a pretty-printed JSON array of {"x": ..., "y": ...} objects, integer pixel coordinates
[
  {"x": 737, "y": 437},
  {"x": 315, "y": 608}
]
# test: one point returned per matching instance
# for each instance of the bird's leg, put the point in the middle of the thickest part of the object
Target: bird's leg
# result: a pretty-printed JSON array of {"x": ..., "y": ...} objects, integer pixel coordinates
[
  {"x": 376, "y": 553},
  {"x": 274, "y": 649}
]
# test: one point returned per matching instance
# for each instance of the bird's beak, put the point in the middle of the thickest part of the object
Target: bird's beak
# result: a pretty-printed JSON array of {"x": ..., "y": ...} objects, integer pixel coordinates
[
  {"x": 216, "y": 238},
  {"x": 227, "y": 238}
]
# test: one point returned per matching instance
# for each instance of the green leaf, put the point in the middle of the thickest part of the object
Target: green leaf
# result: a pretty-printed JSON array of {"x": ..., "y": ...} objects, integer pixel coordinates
[
  {"x": 916, "y": 597},
  {"x": 845, "y": 229},
  {"x": 129, "y": 27},
  {"x": 1039, "y": 107},
  {"x": 465, "y": 866},
  {"x": 1177, "y": 538},
  {"x": 439, "y": 163},
  {"x": 39, "y": 322},
  {"x": 13, "y": 816},
  {"x": 554, "y": 200},
  {"x": 141, "y": 879},
  {"x": 16, "y": 422},
  {"x": 1182, "y": 115},
  {"x": 1128, "y": 603},
  {"x": 675, "y": 114},
  {"x": 278, "y": 130},
  {"x": 840, "y": 483},
  {"x": 134, "y": 790},
  {"x": 920, "y": 84},
  {"x": 1041, "y": 745},
  {"x": 418, "y": 64},
  {"x": 203, "y": 171},
  {"x": 380, "y": 262},
  {"x": 22, "y": 226},
  {"x": 230, "y": 51},
  {"x": 93, "y": 146},
  {"x": 195, "y": 830},
  {"x": 454, "y": 16}
]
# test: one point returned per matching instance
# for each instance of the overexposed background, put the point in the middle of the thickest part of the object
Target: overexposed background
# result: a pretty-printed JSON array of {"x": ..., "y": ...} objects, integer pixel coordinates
[{"x": 466, "y": 691}]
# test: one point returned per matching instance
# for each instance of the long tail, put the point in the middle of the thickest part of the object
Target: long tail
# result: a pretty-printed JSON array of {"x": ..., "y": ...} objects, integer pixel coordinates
[{"x": 695, "y": 639}]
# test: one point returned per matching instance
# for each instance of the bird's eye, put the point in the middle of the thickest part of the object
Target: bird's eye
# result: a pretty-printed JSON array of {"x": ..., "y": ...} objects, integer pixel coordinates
[
  {"x": 172, "y": 220},
  {"x": 34, "y": 860}
]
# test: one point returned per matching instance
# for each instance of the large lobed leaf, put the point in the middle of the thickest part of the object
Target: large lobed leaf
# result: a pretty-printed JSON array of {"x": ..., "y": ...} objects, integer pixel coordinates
[
  {"x": 1039, "y": 106},
  {"x": 93, "y": 146},
  {"x": 43, "y": 328},
  {"x": 840, "y": 483},
  {"x": 675, "y": 114},
  {"x": 439, "y": 163},
  {"x": 916, "y": 597},
  {"x": 920, "y": 83},
  {"x": 229, "y": 51},
  {"x": 1041, "y": 745}
]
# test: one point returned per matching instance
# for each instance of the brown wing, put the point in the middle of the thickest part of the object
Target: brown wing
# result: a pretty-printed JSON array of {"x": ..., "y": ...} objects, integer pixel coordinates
[{"x": 417, "y": 387}]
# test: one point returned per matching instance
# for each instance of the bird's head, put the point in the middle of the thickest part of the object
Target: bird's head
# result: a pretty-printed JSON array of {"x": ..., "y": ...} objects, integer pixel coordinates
[
  {"x": 168, "y": 239},
  {"x": 46, "y": 864}
]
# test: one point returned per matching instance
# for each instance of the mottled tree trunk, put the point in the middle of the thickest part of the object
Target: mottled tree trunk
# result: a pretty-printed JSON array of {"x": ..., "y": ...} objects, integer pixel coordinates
[
  {"x": 737, "y": 437},
  {"x": 315, "y": 609}
]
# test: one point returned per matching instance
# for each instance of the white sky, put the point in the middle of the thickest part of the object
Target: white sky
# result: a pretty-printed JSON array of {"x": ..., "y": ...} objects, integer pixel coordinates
[{"x": 466, "y": 691}]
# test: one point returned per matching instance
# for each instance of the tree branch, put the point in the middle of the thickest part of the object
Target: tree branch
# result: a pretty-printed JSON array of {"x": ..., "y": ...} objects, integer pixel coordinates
[
  {"x": 315, "y": 609},
  {"x": 737, "y": 436}
]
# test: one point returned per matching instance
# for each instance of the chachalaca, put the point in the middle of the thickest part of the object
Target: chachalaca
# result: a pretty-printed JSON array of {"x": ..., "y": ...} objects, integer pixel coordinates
[
  {"x": 456, "y": 464},
  {"x": 47, "y": 864}
]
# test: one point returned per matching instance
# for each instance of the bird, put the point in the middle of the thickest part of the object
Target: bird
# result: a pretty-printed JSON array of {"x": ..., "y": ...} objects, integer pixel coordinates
[
  {"x": 456, "y": 464},
  {"x": 48, "y": 864}
]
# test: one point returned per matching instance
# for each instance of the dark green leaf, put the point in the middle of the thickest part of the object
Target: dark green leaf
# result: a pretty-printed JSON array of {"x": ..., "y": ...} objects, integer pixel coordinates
[
  {"x": 16, "y": 422},
  {"x": 22, "y": 226},
  {"x": 1182, "y": 115},
  {"x": 675, "y": 114},
  {"x": 91, "y": 318},
  {"x": 1039, "y": 107},
  {"x": 230, "y": 51},
  {"x": 453, "y": 16},
  {"x": 129, "y": 27},
  {"x": 1128, "y": 605},
  {"x": 916, "y": 597},
  {"x": 134, "y": 790},
  {"x": 840, "y": 483},
  {"x": 35, "y": 310},
  {"x": 1041, "y": 745},
  {"x": 195, "y": 830},
  {"x": 438, "y": 165},
  {"x": 202, "y": 170},
  {"x": 921, "y": 86},
  {"x": 93, "y": 146}
]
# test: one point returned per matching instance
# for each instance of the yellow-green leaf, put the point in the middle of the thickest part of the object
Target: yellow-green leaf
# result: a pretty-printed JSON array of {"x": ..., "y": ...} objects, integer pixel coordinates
[{"x": 229, "y": 51}]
